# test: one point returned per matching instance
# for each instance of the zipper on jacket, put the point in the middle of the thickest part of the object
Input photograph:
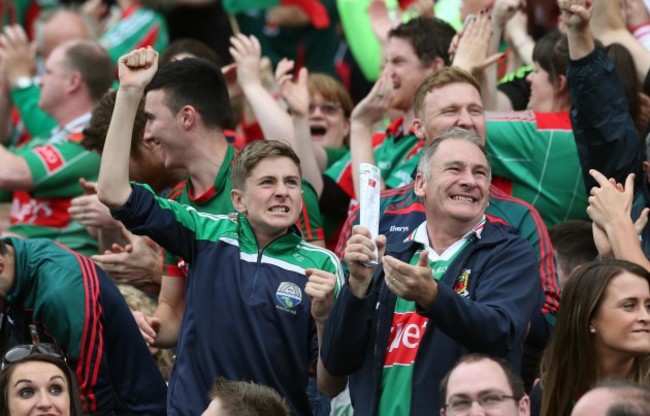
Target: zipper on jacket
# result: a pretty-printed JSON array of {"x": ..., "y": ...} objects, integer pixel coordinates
[{"x": 258, "y": 264}]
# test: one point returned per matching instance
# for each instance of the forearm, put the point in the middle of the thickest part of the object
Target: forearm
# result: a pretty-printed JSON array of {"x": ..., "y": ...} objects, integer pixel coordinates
[
  {"x": 360, "y": 150},
  {"x": 113, "y": 187},
  {"x": 581, "y": 43},
  {"x": 305, "y": 150},
  {"x": 275, "y": 122},
  {"x": 14, "y": 171},
  {"x": 170, "y": 324},
  {"x": 327, "y": 383},
  {"x": 608, "y": 26},
  {"x": 624, "y": 240}
]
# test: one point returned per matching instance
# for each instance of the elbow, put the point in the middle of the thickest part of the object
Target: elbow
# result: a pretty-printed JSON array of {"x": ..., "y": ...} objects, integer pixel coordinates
[
  {"x": 111, "y": 197},
  {"x": 333, "y": 388}
]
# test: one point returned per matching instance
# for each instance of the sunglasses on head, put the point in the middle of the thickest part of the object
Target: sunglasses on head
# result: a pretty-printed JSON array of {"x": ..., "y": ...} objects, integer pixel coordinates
[{"x": 21, "y": 351}]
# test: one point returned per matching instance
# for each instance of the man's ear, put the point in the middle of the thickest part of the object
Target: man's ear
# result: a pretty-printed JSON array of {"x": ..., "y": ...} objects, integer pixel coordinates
[
  {"x": 237, "y": 199},
  {"x": 2, "y": 263},
  {"x": 524, "y": 406},
  {"x": 74, "y": 81},
  {"x": 437, "y": 64},
  {"x": 418, "y": 128},
  {"x": 419, "y": 186},
  {"x": 187, "y": 116}
]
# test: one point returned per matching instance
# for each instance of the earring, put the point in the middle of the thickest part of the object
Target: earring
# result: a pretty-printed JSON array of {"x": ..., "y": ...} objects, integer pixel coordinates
[{"x": 592, "y": 330}]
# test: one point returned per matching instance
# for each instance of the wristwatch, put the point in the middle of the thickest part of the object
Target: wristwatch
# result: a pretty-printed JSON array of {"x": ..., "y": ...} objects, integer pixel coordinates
[{"x": 23, "y": 82}]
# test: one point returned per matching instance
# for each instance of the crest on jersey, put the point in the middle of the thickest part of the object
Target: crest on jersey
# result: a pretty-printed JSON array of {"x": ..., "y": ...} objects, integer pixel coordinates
[
  {"x": 289, "y": 295},
  {"x": 460, "y": 285}
]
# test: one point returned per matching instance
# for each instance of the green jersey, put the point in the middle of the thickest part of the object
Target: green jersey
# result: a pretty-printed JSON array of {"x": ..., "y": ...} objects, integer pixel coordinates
[
  {"x": 538, "y": 154},
  {"x": 56, "y": 164}
]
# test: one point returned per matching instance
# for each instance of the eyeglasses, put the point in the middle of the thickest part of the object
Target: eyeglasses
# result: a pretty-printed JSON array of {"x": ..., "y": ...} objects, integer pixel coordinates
[
  {"x": 462, "y": 405},
  {"x": 328, "y": 108},
  {"x": 21, "y": 351}
]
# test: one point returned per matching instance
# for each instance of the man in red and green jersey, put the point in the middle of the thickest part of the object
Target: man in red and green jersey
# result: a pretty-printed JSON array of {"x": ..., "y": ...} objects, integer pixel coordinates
[
  {"x": 414, "y": 51},
  {"x": 43, "y": 175}
]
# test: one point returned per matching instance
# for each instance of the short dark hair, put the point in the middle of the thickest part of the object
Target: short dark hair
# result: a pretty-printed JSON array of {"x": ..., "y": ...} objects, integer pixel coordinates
[
  {"x": 574, "y": 244},
  {"x": 7, "y": 371},
  {"x": 93, "y": 63},
  {"x": 514, "y": 381},
  {"x": 3, "y": 246},
  {"x": 198, "y": 83},
  {"x": 254, "y": 153},
  {"x": 245, "y": 398},
  {"x": 189, "y": 46},
  {"x": 551, "y": 52},
  {"x": 429, "y": 37},
  {"x": 94, "y": 134}
]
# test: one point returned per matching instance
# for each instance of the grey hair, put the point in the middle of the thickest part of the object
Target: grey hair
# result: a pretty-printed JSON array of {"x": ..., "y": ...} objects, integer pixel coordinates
[{"x": 457, "y": 133}]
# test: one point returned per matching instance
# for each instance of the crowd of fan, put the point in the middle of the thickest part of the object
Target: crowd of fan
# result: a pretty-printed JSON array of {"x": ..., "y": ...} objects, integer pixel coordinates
[{"x": 182, "y": 227}]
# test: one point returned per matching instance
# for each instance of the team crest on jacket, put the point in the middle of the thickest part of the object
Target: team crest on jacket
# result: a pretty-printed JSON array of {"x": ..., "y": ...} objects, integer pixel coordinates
[
  {"x": 460, "y": 285},
  {"x": 289, "y": 295}
]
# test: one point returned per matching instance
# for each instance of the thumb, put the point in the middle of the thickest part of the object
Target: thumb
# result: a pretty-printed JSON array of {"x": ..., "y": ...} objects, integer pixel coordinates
[
  {"x": 423, "y": 261},
  {"x": 491, "y": 60},
  {"x": 155, "y": 323},
  {"x": 126, "y": 234},
  {"x": 89, "y": 188},
  {"x": 629, "y": 183},
  {"x": 303, "y": 76},
  {"x": 642, "y": 221}
]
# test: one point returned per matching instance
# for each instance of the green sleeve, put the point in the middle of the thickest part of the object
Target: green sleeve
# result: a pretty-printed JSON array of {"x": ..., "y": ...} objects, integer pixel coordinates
[
  {"x": 56, "y": 168},
  {"x": 36, "y": 121},
  {"x": 361, "y": 39},
  {"x": 310, "y": 221}
]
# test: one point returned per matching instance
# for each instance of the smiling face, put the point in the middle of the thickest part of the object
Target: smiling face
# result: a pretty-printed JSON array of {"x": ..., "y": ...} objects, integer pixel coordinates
[
  {"x": 271, "y": 199},
  {"x": 38, "y": 388},
  {"x": 327, "y": 123},
  {"x": 163, "y": 129},
  {"x": 452, "y": 105},
  {"x": 406, "y": 71},
  {"x": 621, "y": 326},
  {"x": 458, "y": 183}
]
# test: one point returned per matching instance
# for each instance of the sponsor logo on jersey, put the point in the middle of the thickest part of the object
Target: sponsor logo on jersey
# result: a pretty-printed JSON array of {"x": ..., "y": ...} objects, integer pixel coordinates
[
  {"x": 47, "y": 212},
  {"x": 406, "y": 333},
  {"x": 460, "y": 285},
  {"x": 399, "y": 229},
  {"x": 52, "y": 159},
  {"x": 289, "y": 296}
]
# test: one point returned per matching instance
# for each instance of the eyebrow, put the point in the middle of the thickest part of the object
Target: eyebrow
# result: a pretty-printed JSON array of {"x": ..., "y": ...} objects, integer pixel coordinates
[
  {"x": 25, "y": 380},
  {"x": 481, "y": 393}
]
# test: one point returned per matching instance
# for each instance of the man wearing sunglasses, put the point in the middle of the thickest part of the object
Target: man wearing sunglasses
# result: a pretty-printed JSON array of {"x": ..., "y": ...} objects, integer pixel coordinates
[{"x": 50, "y": 294}]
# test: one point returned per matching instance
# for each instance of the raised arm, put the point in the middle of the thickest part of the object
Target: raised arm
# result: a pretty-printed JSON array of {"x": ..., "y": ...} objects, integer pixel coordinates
[
  {"x": 136, "y": 69},
  {"x": 608, "y": 26},
  {"x": 605, "y": 133},
  {"x": 275, "y": 121},
  {"x": 296, "y": 95}
]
